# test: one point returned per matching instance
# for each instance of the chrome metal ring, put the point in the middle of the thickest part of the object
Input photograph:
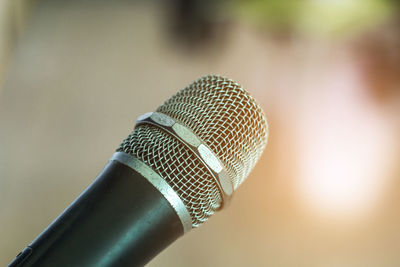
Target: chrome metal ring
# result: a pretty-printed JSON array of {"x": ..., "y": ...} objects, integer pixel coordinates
[
  {"x": 197, "y": 146},
  {"x": 158, "y": 182}
]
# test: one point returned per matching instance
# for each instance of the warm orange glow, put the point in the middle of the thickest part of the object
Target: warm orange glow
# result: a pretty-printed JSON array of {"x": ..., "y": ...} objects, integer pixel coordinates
[{"x": 345, "y": 147}]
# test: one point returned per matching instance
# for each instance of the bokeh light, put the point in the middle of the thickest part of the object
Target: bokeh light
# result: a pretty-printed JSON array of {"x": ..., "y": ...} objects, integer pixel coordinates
[{"x": 346, "y": 146}]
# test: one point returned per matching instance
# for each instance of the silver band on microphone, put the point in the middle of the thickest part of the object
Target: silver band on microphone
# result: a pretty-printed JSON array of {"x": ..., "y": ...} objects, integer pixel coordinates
[
  {"x": 159, "y": 183},
  {"x": 197, "y": 146}
]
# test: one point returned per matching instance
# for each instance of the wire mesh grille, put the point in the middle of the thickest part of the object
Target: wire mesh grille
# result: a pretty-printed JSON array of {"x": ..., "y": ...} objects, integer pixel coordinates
[
  {"x": 226, "y": 118},
  {"x": 174, "y": 162}
]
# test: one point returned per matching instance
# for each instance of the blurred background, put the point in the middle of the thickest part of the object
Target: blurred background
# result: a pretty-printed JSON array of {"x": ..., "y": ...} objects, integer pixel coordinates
[{"x": 74, "y": 75}]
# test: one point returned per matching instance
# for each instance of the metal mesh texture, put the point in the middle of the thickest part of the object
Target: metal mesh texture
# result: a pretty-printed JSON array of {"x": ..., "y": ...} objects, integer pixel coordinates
[
  {"x": 226, "y": 118},
  {"x": 174, "y": 162}
]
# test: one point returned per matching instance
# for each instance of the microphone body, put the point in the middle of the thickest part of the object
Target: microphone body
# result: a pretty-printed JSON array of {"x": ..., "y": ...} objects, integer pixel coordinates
[
  {"x": 121, "y": 219},
  {"x": 179, "y": 166}
]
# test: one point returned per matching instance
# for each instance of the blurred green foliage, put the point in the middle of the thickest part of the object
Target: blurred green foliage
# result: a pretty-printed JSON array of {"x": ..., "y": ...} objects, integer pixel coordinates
[
  {"x": 276, "y": 14},
  {"x": 315, "y": 16}
]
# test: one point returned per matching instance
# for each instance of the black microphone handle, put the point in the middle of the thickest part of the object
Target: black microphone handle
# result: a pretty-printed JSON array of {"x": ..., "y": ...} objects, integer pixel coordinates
[{"x": 121, "y": 219}]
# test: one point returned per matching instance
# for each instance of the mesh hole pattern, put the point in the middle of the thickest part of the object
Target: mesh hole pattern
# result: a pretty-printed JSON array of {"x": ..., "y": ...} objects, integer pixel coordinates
[
  {"x": 226, "y": 118},
  {"x": 181, "y": 169}
]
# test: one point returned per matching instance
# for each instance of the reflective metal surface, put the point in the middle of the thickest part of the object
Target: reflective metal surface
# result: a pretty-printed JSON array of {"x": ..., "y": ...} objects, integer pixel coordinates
[
  {"x": 203, "y": 141},
  {"x": 158, "y": 183}
]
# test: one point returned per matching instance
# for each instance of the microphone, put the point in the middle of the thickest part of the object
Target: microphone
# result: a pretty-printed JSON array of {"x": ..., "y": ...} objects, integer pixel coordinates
[{"x": 179, "y": 166}]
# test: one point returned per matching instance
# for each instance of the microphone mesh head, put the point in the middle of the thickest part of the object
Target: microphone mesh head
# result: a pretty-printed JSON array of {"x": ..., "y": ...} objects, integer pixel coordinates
[{"x": 226, "y": 118}]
